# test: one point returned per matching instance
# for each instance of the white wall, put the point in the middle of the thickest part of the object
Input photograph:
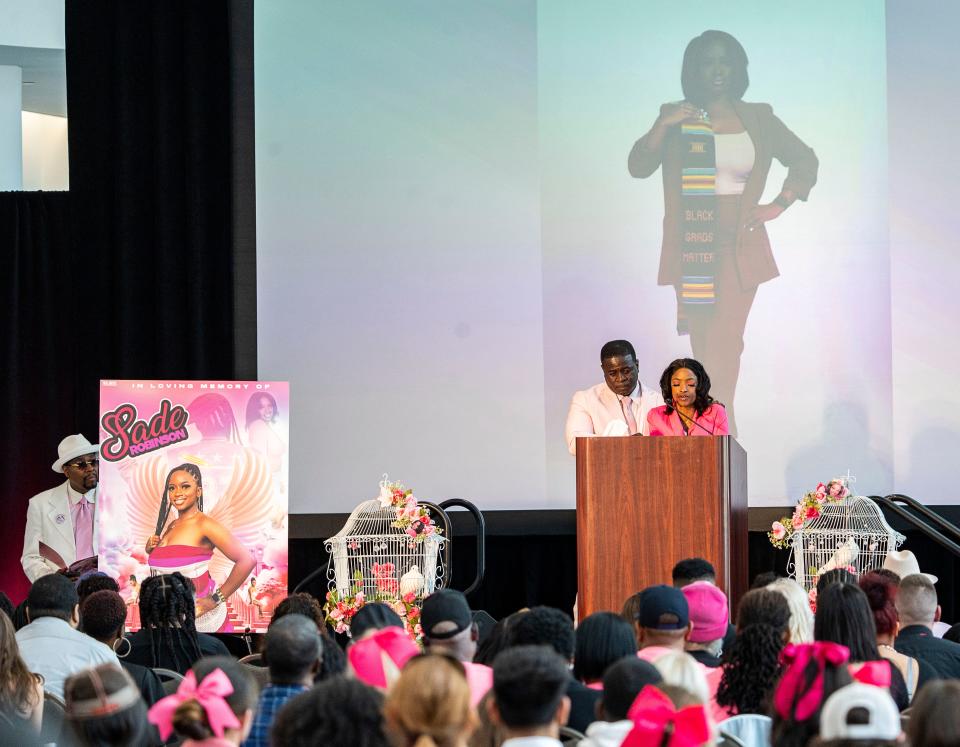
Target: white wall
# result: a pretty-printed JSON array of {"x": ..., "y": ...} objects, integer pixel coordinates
[{"x": 45, "y": 152}]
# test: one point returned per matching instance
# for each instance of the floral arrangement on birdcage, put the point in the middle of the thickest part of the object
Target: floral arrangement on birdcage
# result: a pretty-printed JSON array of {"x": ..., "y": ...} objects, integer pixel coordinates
[
  {"x": 808, "y": 508},
  {"x": 340, "y": 609},
  {"x": 412, "y": 518}
]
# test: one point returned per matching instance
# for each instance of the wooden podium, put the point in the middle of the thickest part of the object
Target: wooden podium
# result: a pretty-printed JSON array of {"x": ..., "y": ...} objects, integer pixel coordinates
[{"x": 644, "y": 503}]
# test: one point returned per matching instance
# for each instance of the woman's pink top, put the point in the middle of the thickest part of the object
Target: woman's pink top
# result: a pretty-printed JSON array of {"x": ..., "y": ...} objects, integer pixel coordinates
[{"x": 713, "y": 422}]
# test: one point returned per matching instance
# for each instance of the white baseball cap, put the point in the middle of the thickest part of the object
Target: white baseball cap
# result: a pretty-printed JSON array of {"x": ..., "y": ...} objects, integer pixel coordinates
[{"x": 883, "y": 718}]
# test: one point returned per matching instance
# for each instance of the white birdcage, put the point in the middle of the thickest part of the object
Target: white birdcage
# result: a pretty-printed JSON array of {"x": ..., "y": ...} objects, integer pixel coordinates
[
  {"x": 851, "y": 534},
  {"x": 372, "y": 555}
]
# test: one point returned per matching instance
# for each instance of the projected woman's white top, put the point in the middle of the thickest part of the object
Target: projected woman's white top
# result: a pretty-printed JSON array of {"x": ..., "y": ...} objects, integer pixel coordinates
[{"x": 735, "y": 156}]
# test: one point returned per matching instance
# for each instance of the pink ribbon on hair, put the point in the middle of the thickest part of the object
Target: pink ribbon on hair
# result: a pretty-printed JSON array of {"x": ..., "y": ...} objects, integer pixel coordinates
[
  {"x": 653, "y": 712},
  {"x": 210, "y": 694},
  {"x": 795, "y": 658},
  {"x": 876, "y": 673}
]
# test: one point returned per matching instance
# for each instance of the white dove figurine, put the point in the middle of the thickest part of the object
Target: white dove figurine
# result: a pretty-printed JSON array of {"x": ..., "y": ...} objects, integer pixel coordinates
[
  {"x": 845, "y": 555},
  {"x": 411, "y": 582}
]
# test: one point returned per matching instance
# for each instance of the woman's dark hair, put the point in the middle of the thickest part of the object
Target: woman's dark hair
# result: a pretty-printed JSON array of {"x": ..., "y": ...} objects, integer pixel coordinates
[
  {"x": 168, "y": 615},
  {"x": 752, "y": 664},
  {"x": 337, "y": 711},
  {"x": 789, "y": 732},
  {"x": 373, "y": 616},
  {"x": 844, "y": 616},
  {"x": 18, "y": 685},
  {"x": 95, "y": 581},
  {"x": 194, "y": 472},
  {"x": 835, "y": 576},
  {"x": 499, "y": 638},
  {"x": 334, "y": 659},
  {"x": 935, "y": 715},
  {"x": 253, "y": 408},
  {"x": 128, "y": 725},
  {"x": 703, "y": 399},
  {"x": 190, "y": 719},
  {"x": 603, "y": 639},
  {"x": 6, "y": 605},
  {"x": 19, "y": 616},
  {"x": 880, "y": 592},
  {"x": 102, "y": 614},
  {"x": 690, "y": 82},
  {"x": 631, "y": 609}
]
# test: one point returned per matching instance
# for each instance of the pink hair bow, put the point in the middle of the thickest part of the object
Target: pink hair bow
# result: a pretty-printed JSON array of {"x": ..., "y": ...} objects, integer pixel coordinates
[
  {"x": 653, "y": 715},
  {"x": 876, "y": 673},
  {"x": 210, "y": 694},
  {"x": 795, "y": 658}
]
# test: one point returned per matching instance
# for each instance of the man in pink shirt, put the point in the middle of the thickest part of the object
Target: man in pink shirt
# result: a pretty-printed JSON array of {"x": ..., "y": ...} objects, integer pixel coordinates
[
  {"x": 448, "y": 626},
  {"x": 664, "y": 626}
]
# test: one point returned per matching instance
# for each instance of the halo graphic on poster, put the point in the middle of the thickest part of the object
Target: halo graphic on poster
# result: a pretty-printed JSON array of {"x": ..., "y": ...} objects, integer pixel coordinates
[{"x": 193, "y": 479}]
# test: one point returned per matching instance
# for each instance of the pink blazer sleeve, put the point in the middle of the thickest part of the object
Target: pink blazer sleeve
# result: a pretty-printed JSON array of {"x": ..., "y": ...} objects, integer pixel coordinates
[{"x": 720, "y": 425}]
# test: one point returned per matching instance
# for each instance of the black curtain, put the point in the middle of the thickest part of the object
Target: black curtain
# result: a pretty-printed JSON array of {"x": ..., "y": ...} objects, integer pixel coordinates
[{"x": 146, "y": 268}]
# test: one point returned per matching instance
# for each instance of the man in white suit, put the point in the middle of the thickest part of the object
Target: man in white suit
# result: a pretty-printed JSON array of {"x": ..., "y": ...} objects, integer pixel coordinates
[
  {"x": 618, "y": 406},
  {"x": 61, "y": 522}
]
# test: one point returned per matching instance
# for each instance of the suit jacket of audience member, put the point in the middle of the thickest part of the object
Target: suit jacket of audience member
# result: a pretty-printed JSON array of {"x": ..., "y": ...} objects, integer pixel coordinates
[
  {"x": 919, "y": 642},
  {"x": 592, "y": 410},
  {"x": 140, "y": 649},
  {"x": 583, "y": 705},
  {"x": 49, "y": 521}
]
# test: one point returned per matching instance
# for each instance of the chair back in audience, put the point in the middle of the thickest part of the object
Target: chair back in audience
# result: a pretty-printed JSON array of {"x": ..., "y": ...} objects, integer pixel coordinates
[
  {"x": 54, "y": 714},
  {"x": 169, "y": 679},
  {"x": 255, "y": 665},
  {"x": 570, "y": 737},
  {"x": 749, "y": 729}
]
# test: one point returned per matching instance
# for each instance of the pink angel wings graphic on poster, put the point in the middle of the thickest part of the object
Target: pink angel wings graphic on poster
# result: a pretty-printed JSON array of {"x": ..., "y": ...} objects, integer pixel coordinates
[{"x": 193, "y": 480}]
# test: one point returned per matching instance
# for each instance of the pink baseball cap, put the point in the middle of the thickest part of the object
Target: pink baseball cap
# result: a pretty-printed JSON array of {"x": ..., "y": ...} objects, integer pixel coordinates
[{"x": 708, "y": 611}]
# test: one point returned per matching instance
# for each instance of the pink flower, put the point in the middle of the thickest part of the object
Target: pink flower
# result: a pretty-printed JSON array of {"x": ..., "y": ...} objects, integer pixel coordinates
[
  {"x": 409, "y": 597},
  {"x": 797, "y": 522},
  {"x": 411, "y": 531},
  {"x": 779, "y": 530},
  {"x": 354, "y": 545},
  {"x": 812, "y": 512}
]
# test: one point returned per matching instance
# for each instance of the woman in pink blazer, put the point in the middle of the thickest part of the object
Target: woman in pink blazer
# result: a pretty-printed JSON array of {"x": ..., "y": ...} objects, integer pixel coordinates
[{"x": 690, "y": 410}]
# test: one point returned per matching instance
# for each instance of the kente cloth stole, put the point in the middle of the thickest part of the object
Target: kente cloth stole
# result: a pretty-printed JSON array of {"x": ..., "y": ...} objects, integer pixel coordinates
[{"x": 698, "y": 204}]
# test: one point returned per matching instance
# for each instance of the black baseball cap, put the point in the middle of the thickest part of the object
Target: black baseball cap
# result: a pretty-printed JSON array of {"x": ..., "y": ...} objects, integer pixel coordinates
[
  {"x": 663, "y": 608},
  {"x": 445, "y": 606}
]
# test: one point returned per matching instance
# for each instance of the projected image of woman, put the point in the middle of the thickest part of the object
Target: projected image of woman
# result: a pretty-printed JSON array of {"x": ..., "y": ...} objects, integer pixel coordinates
[
  {"x": 186, "y": 544},
  {"x": 715, "y": 151}
]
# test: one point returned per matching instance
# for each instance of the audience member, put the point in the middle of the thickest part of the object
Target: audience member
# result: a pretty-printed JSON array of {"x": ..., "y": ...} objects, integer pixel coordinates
[
  {"x": 664, "y": 621},
  {"x": 429, "y": 705},
  {"x": 371, "y": 617},
  {"x": 801, "y": 616},
  {"x": 710, "y": 617},
  {"x": 952, "y": 634},
  {"x": 631, "y": 613},
  {"x": 881, "y": 592},
  {"x": 293, "y": 651},
  {"x": 92, "y": 581},
  {"x": 377, "y": 659},
  {"x": 752, "y": 666},
  {"x": 169, "y": 637},
  {"x": 904, "y": 563},
  {"x": 50, "y": 645},
  {"x": 448, "y": 627},
  {"x": 21, "y": 691},
  {"x": 103, "y": 614},
  {"x": 844, "y": 617},
  {"x": 602, "y": 639},
  {"x": 859, "y": 715},
  {"x": 622, "y": 682},
  {"x": 917, "y": 607},
  {"x": 213, "y": 706},
  {"x": 935, "y": 716},
  {"x": 682, "y": 670},
  {"x": 887, "y": 573},
  {"x": 337, "y": 711},
  {"x": 691, "y": 570},
  {"x": 104, "y": 707},
  {"x": 301, "y": 603},
  {"x": 500, "y": 638},
  {"x": 834, "y": 576},
  {"x": 812, "y": 673},
  {"x": 763, "y": 580},
  {"x": 664, "y": 716},
  {"x": 20, "y": 619},
  {"x": 546, "y": 626},
  {"x": 529, "y": 686}
]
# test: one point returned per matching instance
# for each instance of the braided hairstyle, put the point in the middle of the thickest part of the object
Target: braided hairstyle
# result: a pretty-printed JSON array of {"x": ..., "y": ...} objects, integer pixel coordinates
[
  {"x": 194, "y": 472},
  {"x": 752, "y": 664},
  {"x": 168, "y": 614}
]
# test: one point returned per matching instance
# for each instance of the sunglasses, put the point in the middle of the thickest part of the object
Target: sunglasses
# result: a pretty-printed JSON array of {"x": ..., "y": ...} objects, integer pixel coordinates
[{"x": 84, "y": 463}]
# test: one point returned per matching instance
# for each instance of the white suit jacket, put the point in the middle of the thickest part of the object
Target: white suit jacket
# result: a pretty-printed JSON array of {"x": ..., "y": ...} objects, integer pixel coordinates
[
  {"x": 49, "y": 521},
  {"x": 592, "y": 410}
]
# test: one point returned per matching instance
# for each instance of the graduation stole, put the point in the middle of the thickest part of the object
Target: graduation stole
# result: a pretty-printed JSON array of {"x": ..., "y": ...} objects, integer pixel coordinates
[{"x": 698, "y": 220}]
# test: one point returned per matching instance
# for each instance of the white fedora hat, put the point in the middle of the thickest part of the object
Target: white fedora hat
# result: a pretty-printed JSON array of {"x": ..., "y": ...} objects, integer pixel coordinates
[
  {"x": 904, "y": 563},
  {"x": 72, "y": 447}
]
